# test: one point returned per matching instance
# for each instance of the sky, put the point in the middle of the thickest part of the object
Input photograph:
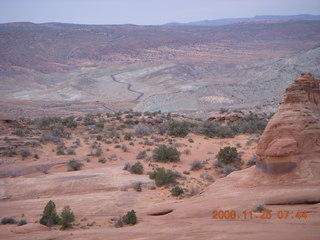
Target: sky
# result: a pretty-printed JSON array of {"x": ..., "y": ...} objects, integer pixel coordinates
[{"x": 146, "y": 12}]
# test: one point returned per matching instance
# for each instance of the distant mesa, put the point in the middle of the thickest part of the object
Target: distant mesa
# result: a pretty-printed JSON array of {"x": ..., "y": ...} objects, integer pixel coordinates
[{"x": 291, "y": 141}]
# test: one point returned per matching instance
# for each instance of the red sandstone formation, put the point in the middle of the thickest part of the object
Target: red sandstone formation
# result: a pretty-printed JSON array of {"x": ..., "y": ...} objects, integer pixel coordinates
[{"x": 291, "y": 141}]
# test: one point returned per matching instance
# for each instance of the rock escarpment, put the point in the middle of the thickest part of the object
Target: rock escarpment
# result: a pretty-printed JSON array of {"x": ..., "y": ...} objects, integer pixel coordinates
[{"x": 291, "y": 141}]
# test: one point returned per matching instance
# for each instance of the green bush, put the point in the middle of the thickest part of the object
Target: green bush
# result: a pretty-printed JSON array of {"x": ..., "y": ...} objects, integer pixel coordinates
[
  {"x": 67, "y": 217},
  {"x": 176, "y": 191},
  {"x": 60, "y": 149},
  {"x": 49, "y": 216},
  {"x": 128, "y": 136},
  {"x": 227, "y": 155},
  {"x": 9, "y": 220},
  {"x": 162, "y": 176},
  {"x": 213, "y": 129},
  {"x": 130, "y": 218},
  {"x": 166, "y": 154},
  {"x": 137, "y": 187},
  {"x": 136, "y": 168},
  {"x": 196, "y": 165},
  {"x": 178, "y": 129},
  {"x": 102, "y": 160},
  {"x": 142, "y": 155},
  {"x": 22, "y": 222},
  {"x": 74, "y": 165}
]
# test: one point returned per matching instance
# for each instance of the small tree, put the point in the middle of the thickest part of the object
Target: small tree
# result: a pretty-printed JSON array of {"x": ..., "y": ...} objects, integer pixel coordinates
[
  {"x": 67, "y": 217},
  {"x": 49, "y": 216},
  {"x": 227, "y": 155}
]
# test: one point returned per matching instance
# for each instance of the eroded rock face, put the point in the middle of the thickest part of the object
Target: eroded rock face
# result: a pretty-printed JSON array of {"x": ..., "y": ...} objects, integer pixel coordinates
[{"x": 291, "y": 141}]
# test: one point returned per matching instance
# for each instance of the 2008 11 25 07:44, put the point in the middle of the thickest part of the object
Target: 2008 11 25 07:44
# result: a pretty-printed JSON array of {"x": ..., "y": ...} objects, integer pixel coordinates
[{"x": 266, "y": 214}]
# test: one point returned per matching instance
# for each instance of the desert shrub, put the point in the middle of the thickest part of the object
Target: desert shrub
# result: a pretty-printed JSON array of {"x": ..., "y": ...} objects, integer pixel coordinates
[
  {"x": 89, "y": 120},
  {"x": 74, "y": 165},
  {"x": 136, "y": 168},
  {"x": 137, "y": 187},
  {"x": 99, "y": 125},
  {"x": 66, "y": 217},
  {"x": 127, "y": 167},
  {"x": 190, "y": 140},
  {"x": 21, "y": 132},
  {"x": 46, "y": 122},
  {"x": 176, "y": 191},
  {"x": 223, "y": 110},
  {"x": 252, "y": 161},
  {"x": 102, "y": 160},
  {"x": 22, "y": 222},
  {"x": 227, "y": 155},
  {"x": 260, "y": 208},
  {"x": 166, "y": 154},
  {"x": 187, "y": 151},
  {"x": 142, "y": 155},
  {"x": 60, "y": 149},
  {"x": 49, "y": 216},
  {"x": 99, "y": 138},
  {"x": 57, "y": 130},
  {"x": 124, "y": 148},
  {"x": 162, "y": 176},
  {"x": 178, "y": 129},
  {"x": 196, "y": 165},
  {"x": 8, "y": 220},
  {"x": 213, "y": 129},
  {"x": 69, "y": 122},
  {"x": 141, "y": 130},
  {"x": 228, "y": 169},
  {"x": 25, "y": 153},
  {"x": 206, "y": 176},
  {"x": 128, "y": 136},
  {"x": 162, "y": 128},
  {"x": 71, "y": 151},
  {"x": 97, "y": 152},
  {"x": 250, "y": 124},
  {"x": 49, "y": 138},
  {"x": 130, "y": 218}
]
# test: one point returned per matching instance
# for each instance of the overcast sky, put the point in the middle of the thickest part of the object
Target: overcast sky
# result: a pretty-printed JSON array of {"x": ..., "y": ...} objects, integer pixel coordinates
[{"x": 146, "y": 11}]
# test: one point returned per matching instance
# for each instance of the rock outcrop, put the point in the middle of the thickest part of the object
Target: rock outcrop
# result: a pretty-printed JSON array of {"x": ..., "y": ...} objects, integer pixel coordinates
[{"x": 291, "y": 141}]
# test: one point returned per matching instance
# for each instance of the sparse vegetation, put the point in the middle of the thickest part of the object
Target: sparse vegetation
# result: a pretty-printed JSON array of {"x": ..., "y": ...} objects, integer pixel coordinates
[
  {"x": 102, "y": 160},
  {"x": 162, "y": 176},
  {"x": 74, "y": 165},
  {"x": 142, "y": 130},
  {"x": 178, "y": 129},
  {"x": 176, "y": 191},
  {"x": 137, "y": 186},
  {"x": 142, "y": 155},
  {"x": 196, "y": 165},
  {"x": 25, "y": 153},
  {"x": 166, "y": 154}
]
